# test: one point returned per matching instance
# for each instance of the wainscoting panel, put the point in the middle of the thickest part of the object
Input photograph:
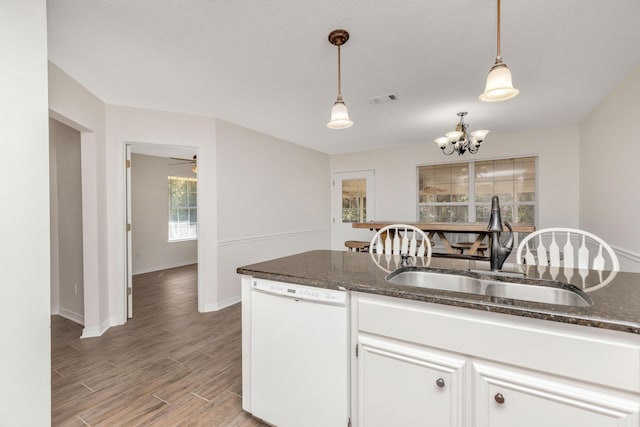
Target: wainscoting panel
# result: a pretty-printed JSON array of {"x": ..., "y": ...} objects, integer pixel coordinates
[{"x": 243, "y": 251}]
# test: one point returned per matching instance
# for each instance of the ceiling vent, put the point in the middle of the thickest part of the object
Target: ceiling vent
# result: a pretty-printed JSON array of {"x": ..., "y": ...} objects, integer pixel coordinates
[{"x": 382, "y": 99}]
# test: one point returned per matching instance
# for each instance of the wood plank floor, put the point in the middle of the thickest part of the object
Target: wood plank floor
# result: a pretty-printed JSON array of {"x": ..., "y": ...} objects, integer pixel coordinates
[{"x": 168, "y": 366}]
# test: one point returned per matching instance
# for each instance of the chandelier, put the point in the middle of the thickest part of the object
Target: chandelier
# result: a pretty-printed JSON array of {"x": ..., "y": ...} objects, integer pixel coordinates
[
  {"x": 459, "y": 140},
  {"x": 339, "y": 113}
]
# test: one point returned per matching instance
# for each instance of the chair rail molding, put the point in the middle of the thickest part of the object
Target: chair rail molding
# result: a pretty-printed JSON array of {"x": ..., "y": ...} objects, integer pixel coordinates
[
  {"x": 627, "y": 255},
  {"x": 298, "y": 233}
]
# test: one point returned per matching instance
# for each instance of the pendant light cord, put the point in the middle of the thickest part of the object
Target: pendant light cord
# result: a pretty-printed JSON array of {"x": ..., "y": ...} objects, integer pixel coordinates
[
  {"x": 339, "y": 88},
  {"x": 498, "y": 32}
]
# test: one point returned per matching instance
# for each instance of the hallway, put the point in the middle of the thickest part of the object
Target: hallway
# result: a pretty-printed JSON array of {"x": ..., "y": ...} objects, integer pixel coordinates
[{"x": 169, "y": 365}]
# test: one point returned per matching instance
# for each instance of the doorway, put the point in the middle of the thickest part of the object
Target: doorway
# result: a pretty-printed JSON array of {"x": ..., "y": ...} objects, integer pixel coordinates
[
  {"x": 161, "y": 211},
  {"x": 352, "y": 200},
  {"x": 65, "y": 195}
]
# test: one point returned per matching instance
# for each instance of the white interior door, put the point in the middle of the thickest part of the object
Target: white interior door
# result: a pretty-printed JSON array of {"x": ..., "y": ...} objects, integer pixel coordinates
[
  {"x": 129, "y": 263},
  {"x": 352, "y": 200}
]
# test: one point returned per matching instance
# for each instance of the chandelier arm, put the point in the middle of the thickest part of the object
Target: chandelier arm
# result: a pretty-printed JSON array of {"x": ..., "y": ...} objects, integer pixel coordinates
[{"x": 453, "y": 149}]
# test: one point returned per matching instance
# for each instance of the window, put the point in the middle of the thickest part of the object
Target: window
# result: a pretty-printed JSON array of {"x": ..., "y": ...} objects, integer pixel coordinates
[
  {"x": 513, "y": 181},
  {"x": 443, "y": 193},
  {"x": 354, "y": 200},
  {"x": 183, "y": 208},
  {"x": 461, "y": 192}
]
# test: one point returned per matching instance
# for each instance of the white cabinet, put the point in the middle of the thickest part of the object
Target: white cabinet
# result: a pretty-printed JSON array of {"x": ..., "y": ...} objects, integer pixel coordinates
[
  {"x": 495, "y": 370},
  {"x": 401, "y": 385}
]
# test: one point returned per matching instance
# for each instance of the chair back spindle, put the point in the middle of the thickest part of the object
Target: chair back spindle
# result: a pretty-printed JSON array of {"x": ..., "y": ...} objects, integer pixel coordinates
[
  {"x": 542, "y": 248},
  {"x": 399, "y": 239}
]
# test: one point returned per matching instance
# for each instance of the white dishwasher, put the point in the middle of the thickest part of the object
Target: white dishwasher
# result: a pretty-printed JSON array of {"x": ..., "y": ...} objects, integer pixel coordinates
[{"x": 299, "y": 355}]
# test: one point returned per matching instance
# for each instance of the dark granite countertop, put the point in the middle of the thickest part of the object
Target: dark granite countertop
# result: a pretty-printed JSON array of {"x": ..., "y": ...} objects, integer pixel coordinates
[{"x": 616, "y": 306}]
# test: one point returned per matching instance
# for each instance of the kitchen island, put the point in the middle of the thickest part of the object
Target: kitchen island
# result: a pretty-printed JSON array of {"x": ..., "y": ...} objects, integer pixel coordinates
[{"x": 423, "y": 356}]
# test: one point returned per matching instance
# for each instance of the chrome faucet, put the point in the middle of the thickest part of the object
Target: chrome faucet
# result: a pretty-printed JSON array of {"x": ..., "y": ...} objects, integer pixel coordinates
[{"x": 499, "y": 252}]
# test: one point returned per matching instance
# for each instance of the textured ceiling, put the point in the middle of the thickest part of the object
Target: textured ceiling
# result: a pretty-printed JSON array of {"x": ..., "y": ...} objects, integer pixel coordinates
[{"x": 267, "y": 64}]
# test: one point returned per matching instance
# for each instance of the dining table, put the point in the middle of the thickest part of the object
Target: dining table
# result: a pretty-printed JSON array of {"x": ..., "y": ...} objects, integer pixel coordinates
[{"x": 440, "y": 228}]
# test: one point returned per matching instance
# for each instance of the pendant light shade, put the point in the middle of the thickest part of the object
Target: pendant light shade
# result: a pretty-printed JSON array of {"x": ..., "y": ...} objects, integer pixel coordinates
[
  {"x": 339, "y": 116},
  {"x": 339, "y": 113},
  {"x": 499, "y": 85}
]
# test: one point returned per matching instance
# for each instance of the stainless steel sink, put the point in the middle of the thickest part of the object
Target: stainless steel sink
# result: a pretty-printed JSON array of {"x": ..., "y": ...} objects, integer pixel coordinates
[
  {"x": 542, "y": 291},
  {"x": 431, "y": 280}
]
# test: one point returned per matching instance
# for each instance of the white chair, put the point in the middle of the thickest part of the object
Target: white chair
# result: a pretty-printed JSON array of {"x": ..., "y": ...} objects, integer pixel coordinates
[
  {"x": 391, "y": 242},
  {"x": 569, "y": 248}
]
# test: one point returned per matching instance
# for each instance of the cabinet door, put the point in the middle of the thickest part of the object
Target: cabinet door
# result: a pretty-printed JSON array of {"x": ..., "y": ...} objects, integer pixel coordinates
[
  {"x": 404, "y": 385},
  {"x": 506, "y": 398}
]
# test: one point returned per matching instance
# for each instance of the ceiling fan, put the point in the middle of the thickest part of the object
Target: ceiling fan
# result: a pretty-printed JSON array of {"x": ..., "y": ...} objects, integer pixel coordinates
[{"x": 194, "y": 160}]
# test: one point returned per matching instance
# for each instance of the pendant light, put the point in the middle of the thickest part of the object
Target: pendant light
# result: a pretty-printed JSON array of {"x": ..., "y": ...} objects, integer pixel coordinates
[
  {"x": 339, "y": 113},
  {"x": 499, "y": 86}
]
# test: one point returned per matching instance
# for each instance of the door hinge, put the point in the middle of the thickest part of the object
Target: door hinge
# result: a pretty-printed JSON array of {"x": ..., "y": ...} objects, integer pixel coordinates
[
  {"x": 128, "y": 227},
  {"x": 356, "y": 350},
  {"x": 127, "y": 163},
  {"x": 129, "y": 291}
]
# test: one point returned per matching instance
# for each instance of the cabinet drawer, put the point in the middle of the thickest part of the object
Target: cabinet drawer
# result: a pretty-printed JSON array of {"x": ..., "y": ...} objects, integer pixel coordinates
[
  {"x": 588, "y": 354},
  {"x": 504, "y": 397}
]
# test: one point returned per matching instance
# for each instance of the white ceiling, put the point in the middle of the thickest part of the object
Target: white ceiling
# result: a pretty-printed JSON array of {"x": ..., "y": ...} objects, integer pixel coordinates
[{"x": 267, "y": 64}]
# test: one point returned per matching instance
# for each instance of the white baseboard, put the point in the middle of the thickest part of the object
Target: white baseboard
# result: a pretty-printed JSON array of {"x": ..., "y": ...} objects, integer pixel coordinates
[
  {"x": 163, "y": 267},
  {"x": 222, "y": 304},
  {"x": 96, "y": 331},
  {"x": 71, "y": 315}
]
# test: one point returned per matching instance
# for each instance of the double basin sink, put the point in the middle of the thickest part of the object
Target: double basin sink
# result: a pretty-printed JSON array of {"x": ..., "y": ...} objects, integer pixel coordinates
[{"x": 503, "y": 289}]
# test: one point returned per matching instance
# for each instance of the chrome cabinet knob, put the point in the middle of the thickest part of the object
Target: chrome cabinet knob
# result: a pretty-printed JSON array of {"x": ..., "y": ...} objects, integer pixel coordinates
[
  {"x": 440, "y": 382},
  {"x": 499, "y": 398}
]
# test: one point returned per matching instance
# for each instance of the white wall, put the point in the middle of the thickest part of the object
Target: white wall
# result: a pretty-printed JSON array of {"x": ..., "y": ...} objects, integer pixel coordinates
[
  {"x": 151, "y": 248},
  {"x": 67, "y": 293},
  {"x": 25, "y": 371},
  {"x": 609, "y": 172},
  {"x": 396, "y": 176},
  {"x": 273, "y": 200},
  {"x": 127, "y": 125}
]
